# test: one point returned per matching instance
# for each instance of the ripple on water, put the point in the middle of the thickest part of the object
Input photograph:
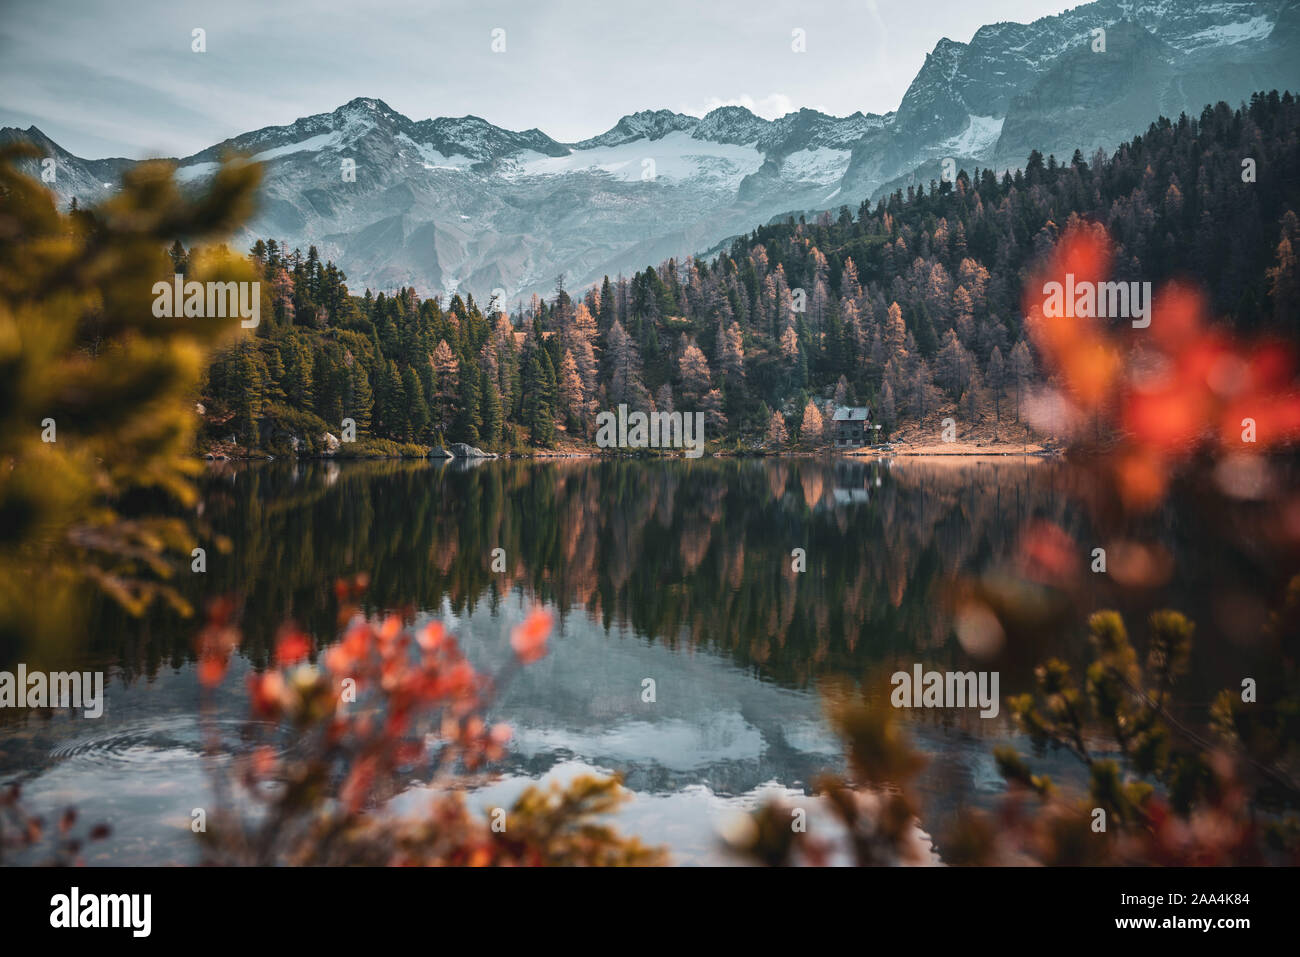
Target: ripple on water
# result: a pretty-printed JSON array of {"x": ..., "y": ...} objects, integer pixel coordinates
[
  {"x": 143, "y": 777},
  {"x": 150, "y": 742}
]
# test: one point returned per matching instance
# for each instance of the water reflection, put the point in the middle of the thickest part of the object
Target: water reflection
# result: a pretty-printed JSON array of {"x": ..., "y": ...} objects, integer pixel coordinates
[{"x": 678, "y": 572}]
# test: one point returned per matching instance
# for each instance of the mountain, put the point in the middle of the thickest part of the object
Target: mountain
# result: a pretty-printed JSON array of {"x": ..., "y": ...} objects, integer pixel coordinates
[
  {"x": 1046, "y": 85},
  {"x": 88, "y": 180},
  {"x": 458, "y": 203}
]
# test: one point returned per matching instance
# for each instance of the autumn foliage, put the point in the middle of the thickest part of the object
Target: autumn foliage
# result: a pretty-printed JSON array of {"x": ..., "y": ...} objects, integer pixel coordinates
[
  {"x": 1162, "y": 395},
  {"x": 328, "y": 744}
]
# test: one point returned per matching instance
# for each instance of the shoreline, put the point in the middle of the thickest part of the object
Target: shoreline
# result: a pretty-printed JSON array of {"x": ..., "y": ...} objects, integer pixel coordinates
[{"x": 1037, "y": 453}]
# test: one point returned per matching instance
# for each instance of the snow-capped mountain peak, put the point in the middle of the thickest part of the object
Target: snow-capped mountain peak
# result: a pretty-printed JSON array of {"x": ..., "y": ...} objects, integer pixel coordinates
[{"x": 460, "y": 202}]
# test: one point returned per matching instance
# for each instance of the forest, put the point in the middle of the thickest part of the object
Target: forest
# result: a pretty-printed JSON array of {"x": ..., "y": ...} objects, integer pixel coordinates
[{"x": 911, "y": 305}]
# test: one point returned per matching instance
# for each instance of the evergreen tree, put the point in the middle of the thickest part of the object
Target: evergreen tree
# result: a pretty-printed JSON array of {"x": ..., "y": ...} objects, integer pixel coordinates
[
  {"x": 539, "y": 417},
  {"x": 417, "y": 408},
  {"x": 358, "y": 400},
  {"x": 493, "y": 414},
  {"x": 468, "y": 419}
]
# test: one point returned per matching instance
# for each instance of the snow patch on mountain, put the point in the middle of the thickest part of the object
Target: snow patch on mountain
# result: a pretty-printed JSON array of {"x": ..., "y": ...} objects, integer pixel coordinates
[
  {"x": 432, "y": 159},
  {"x": 313, "y": 144},
  {"x": 816, "y": 165},
  {"x": 978, "y": 139},
  {"x": 1256, "y": 28},
  {"x": 195, "y": 171},
  {"x": 675, "y": 156}
]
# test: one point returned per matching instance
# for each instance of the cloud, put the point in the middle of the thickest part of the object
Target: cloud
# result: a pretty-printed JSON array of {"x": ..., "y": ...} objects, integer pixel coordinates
[{"x": 100, "y": 82}]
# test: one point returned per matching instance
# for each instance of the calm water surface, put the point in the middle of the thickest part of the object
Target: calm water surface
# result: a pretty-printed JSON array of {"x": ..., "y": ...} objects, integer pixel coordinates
[{"x": 678, "y": 571}]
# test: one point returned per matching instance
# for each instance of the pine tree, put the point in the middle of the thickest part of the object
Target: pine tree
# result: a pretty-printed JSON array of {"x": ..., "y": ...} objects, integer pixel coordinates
[
  {"x": 608, "y": 307},
  {"x": 693, "y": 370},
  {"x": 813, "y": 425},
  {"x": 711, "y": 404},
  {"x": 953, "y": 365},
  {"x": 571, "y": 402},
  {"x": 539, "y": 417},
  {"x": 888, "y": 409},
  {"x": 841, "y": 391},
  {"x": 417, "y": 418},
  {"x": 731, "y": 353},
  {"x": 777, "y": 436},
  {"x": 580, "y": 338},
  {"x": 298, "y": 385},
  {"x": 468, "y": 418},
  {"x": 359, "y": 401},
  {"x": 493, "y": 416},
  {"x": 247, "y": 386},
  {"x": 625, "y": 382},
  {"x": 330, "y": 376},
  {"x": 996, "y": 381},
  {"x": 894, "y": 331},
  {"x": 390, "y": 418},
  {"x": 1022, "y": 367},
  {"x": 446, "y": 377}
]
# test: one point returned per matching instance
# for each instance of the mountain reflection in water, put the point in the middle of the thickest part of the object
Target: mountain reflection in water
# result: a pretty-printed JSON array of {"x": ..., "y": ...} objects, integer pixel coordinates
[{"x": 677, "y": 571}]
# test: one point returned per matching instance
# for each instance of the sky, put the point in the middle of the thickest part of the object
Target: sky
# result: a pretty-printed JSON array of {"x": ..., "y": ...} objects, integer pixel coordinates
[{"x": 119, "y": 78}]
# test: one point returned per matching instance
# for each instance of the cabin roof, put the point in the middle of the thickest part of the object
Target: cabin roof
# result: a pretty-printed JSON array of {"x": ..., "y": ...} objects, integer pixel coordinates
[{"x": 854, "y": 413}]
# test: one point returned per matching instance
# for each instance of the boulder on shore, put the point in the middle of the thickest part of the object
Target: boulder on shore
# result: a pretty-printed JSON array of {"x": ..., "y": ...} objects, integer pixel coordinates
[
  {"x": 438, "y": 452},
  {"x": 462, "y": 451}
]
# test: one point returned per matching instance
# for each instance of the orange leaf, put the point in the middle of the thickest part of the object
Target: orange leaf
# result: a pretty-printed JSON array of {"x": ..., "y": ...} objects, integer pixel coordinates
[{"x": 529, "y": 638}]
